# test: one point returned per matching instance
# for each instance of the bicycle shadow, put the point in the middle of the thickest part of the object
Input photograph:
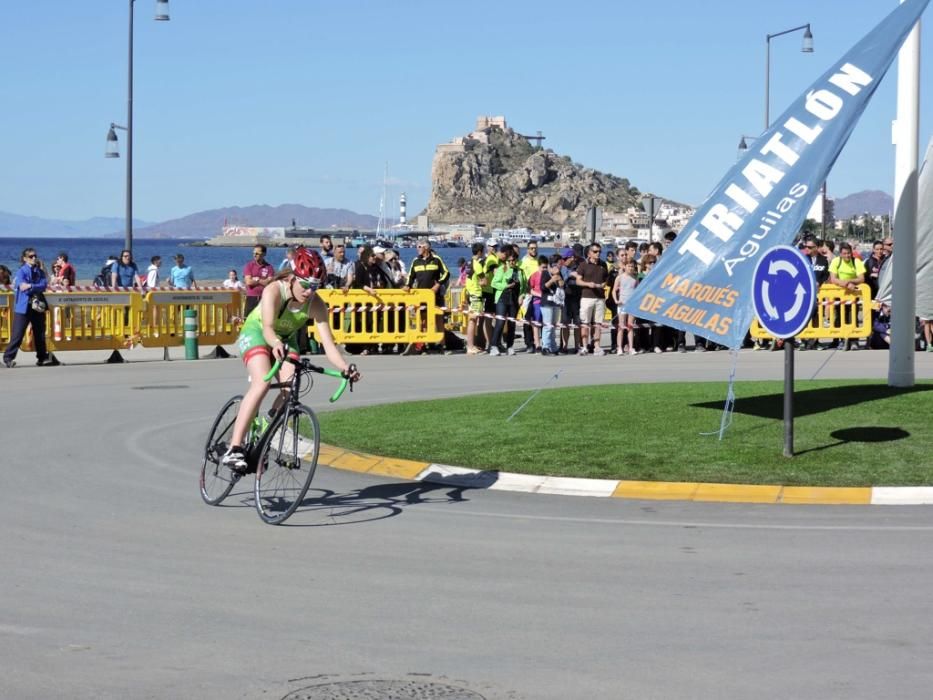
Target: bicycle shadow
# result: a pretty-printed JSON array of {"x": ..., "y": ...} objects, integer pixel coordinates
[{"x": 364, "y": 505}]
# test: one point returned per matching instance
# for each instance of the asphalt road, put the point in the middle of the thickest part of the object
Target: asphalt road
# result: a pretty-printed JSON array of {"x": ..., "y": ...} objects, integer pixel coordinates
[{"x": 118, "y": 582}]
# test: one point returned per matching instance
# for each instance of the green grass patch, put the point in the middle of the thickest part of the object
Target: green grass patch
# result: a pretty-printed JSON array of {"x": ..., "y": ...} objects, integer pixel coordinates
[{"x": 847, "y": 433}]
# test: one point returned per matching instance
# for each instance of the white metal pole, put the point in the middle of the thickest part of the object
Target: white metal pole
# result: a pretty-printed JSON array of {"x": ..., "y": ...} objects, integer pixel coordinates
[{"x": 906, "y": 134}]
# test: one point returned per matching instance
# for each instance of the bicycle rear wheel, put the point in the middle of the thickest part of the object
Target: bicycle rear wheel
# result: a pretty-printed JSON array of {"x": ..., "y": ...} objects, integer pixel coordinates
[
  {"x": 217, "y": 480},
  {"x": 286, "y": 464}
]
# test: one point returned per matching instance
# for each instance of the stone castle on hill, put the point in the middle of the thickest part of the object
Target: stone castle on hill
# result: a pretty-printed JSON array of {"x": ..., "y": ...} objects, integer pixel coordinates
[{"x": 497, "y": 177}]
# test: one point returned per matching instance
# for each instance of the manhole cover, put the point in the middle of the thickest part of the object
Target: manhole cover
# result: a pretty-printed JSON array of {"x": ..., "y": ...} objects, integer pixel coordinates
[
  {"x": 162, "y": 386},
  {"x": 383, "y": 690}
]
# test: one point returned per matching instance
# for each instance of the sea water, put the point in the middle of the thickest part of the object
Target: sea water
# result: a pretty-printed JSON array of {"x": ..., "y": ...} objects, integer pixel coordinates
[{"x": 88, "y": 255}]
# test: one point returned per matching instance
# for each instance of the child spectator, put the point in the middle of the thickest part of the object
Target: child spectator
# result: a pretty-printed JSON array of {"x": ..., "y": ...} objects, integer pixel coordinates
[
  {"x": 622, "y": 291},
  {"x": 552, "y": 301},
  {"x": 533, "y": 315},
  {"x": 880, "y": 338}
]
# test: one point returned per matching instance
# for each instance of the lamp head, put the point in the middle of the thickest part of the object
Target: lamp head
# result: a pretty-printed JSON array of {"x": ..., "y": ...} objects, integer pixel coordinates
[
  {"x": 113, "y": 146},
  {"x": 807, "y": 46},
  {"x": 161, "y": 10}
]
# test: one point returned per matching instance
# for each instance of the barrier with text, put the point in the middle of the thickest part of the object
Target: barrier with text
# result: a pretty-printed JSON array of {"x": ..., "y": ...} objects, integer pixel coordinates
[{"x": 839, "y": 313}]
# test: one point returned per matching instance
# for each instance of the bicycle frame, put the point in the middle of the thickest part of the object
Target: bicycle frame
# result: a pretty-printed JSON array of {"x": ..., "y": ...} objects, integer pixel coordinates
[{"x": 293, "y": 387}]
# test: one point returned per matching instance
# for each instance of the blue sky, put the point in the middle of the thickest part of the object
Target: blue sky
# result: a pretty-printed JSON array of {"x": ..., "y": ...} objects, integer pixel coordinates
[{"x": 240, "y": 103}]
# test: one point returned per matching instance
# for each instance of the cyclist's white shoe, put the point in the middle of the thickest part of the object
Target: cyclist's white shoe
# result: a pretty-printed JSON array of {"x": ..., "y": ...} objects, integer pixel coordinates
[{"x": 235, "y": 459}]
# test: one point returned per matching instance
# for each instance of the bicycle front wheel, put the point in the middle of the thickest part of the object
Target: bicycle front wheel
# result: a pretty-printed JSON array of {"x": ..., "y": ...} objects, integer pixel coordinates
[
  {"x": 286, "y": 464},
  {"x": 217, "y": 480}
]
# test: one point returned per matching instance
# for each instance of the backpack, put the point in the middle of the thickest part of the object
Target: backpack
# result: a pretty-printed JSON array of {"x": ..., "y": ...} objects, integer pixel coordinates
[{"x": 103, "y": 278}]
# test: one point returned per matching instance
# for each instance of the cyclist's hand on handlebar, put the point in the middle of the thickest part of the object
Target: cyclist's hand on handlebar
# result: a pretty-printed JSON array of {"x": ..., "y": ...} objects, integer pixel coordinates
[
  {"x": 352, "y": 373},
  {"x": 279, "y": 351}
]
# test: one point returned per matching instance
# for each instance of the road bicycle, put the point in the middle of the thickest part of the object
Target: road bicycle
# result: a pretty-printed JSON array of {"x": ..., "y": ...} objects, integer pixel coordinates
[{"x": 281, "y": 449}]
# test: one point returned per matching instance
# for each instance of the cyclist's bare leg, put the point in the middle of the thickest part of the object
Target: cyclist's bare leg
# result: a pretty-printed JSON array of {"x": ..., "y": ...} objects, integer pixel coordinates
[
  {"x": 283, "y": 377},
  {"x": 257, "y": 367}
]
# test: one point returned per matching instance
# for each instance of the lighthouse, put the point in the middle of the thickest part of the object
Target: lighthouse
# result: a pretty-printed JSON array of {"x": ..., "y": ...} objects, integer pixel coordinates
[{"x": 401, "y": 209}]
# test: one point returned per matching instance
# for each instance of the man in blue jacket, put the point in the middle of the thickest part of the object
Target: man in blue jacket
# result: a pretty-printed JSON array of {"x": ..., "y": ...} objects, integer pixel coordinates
[{"x": 30, "y": 281}]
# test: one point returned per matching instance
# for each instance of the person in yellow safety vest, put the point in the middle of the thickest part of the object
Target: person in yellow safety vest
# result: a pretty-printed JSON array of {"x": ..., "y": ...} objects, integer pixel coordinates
[
  {"x": 529, "y": 265},
  {"x": 428, "y": 271},
  {"x": 474, "y": 303},
  {"x": 489, "y": 294}
]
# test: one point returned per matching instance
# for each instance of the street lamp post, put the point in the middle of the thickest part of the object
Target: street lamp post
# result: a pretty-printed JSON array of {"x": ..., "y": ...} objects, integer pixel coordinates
[
  {"x": 161, "y": 15},
  {"x": 806, "y": 47}
]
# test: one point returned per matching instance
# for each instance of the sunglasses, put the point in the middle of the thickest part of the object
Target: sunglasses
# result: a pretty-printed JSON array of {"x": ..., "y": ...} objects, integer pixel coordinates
[
  {"x": 309, "y": 283},
  {"x": 31, "y": 257}
]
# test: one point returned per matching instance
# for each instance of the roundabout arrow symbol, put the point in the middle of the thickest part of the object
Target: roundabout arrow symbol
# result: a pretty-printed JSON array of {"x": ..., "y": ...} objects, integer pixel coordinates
[
  {"x": 770, "y": 308},
  {"x": 799, "y": 293},
  {"x": 777, "y": 266}
]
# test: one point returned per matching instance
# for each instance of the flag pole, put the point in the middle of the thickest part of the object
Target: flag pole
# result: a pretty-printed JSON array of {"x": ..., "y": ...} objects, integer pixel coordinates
[{"x": 906, "y": 133}]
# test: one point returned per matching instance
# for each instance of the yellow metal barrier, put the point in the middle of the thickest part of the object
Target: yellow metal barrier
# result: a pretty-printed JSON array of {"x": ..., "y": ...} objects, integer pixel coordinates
[
  {"x": 162, "y": 318},
  {"x": 839, "y": 313},
  {"x": 456, "y": 301},
  {"x": 90, "y": 320},
  {"x": 6, "y": 316},
  {"x": 391, "y": 316}
]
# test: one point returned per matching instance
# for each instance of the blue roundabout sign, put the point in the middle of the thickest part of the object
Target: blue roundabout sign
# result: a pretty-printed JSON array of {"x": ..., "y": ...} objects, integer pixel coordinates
[{"x": 784, "y": 291}]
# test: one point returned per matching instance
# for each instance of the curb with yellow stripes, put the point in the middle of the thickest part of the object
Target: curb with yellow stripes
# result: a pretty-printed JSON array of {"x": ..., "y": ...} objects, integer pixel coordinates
[{"x": 350, "y": 460}]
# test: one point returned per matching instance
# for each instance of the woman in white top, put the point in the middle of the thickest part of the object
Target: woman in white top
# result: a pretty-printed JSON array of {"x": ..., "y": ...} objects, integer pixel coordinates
[{"x": 233, "y": 282}]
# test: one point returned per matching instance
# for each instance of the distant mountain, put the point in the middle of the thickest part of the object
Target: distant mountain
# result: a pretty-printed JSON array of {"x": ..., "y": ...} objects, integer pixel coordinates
[
  {"x": 867, "y": 201},
  {"x": 35, "y": 227},
  {"x": 206, "y": 224}
]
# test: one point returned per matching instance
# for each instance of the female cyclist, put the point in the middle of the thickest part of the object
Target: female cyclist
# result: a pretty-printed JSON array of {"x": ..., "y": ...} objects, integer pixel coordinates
[{"x": 269, "y": 334}]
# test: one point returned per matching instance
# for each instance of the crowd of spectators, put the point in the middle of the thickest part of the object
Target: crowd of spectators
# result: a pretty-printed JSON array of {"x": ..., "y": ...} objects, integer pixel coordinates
[{"x": 562, "y": 297}]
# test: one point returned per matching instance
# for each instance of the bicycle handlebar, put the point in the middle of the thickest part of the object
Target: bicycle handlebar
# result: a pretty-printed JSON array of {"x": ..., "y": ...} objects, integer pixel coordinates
[{"x": 306, "y": 365}]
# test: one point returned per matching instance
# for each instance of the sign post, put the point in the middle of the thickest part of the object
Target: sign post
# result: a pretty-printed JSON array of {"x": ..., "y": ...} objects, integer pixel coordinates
[{"x": 784, "y": 292}]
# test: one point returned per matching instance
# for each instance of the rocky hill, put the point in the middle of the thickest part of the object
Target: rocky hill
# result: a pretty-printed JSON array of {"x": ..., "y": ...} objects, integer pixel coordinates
[{"x": 494, "y": 176}]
